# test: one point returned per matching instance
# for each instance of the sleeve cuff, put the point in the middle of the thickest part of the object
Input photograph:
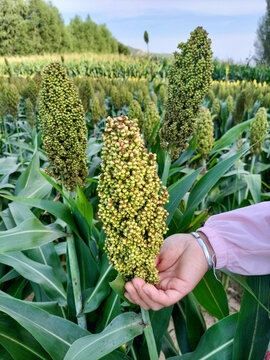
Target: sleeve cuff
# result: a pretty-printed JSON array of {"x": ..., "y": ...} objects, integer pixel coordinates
[{"x": 217, "y": 244}]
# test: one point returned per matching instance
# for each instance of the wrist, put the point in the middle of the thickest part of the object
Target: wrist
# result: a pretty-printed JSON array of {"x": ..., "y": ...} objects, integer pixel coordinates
[{"x": 208, "y": 245}]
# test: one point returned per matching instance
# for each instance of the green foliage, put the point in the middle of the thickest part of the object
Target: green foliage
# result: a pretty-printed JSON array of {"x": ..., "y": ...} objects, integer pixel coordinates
[
  {"x": 135, "y": 112},
  {"x": 63, "y": 127},
  {"x": 115, "y": 97},
  {"x": 132, "y": 211},
  {"x": 189, "y": 81},
  {"x": 258, "y": 131},
  {"x": 262, "y": 44},
  {"x": 36, "y": 27},
  {"x": 204, "y": 133}
]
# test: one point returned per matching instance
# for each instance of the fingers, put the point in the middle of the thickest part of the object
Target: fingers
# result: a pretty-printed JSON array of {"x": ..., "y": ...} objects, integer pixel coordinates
[
  {"x": 132, "y": 295},
  {"x": 149, "y": 297}
]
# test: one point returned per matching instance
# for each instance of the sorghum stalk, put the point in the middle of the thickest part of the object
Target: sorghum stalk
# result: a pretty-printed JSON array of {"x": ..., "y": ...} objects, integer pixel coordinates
[{"x": 131, "y": 201}]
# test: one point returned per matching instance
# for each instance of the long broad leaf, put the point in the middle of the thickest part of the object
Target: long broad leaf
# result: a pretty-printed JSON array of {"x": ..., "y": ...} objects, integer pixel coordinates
[
  {"x": 58, "y": 209},
  {"x": 29, "y": 234},
  {"x": 36, "y": 272},
  {"x": 216, "y": 343},
  {"x": 253, "y": 328},
  {"x": 177, "y": 191},
  {"x": 19, "y": 343},
  {"x": 230, "y": 136},
  {"x": 54, "y": 334},
  {"x": 102, "y": 289},
  {"x": 30, "y": 183},
  {"x": 204, "y": 185},
  {"x": 254, "y": 182},
  {"x": 212, "y": 296},
  {"x": 121, "y": 330}
]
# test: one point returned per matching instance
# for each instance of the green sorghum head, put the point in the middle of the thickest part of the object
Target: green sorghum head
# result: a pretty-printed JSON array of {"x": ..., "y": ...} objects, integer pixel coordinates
[
  {"x": 151, "y": 118},
  {"x": 216, "y": 106},
  {"x": 115, "y": 97},
  {"x": 189, "y": 81},
  {"x": 31, "y": 91},
  {"x": 211, "y": 95},
  {"x": 205, "y": 132},
  {"x": 229, "y": 102},
  {"x": 239, "y": 107},
  {"x": 95, "y": 109},
  {"x": 9, "y": 100},
  {"x": 86, "y": 93},
  {"x": 62, "y": 121},
  {"x": 258, "y": 131},
  {"x": 135, "y": 112},
  {"x": 163, "y": 93},
  {"x": 249, "y": 98},
  {"x": 30, "y": 112},
  {"x": 131, "y": 201},
  {"x": 266, "y": 100}
]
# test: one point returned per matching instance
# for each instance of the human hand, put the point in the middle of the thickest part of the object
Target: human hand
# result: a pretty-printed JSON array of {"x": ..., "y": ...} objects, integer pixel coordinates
[{"x": 181, "y": 265}]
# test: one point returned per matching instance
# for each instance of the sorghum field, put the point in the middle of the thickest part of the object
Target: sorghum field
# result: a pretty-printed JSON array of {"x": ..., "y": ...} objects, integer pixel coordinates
[{"x": 103, "y": 156}]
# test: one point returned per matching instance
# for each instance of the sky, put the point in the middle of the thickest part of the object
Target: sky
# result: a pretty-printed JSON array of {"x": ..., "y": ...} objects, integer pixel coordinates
[{"x": 231, "y": 24}]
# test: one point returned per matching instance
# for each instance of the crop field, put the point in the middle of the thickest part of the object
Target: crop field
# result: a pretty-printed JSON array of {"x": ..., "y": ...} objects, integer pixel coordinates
[{"x": 65, "y": 183}]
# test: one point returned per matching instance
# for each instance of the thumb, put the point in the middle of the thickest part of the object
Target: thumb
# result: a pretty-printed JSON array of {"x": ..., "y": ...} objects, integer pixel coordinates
[{"x": 172, "y": 249}]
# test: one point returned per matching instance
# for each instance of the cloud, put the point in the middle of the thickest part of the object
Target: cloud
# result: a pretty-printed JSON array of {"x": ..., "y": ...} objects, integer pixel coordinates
[{"x": 133, "y": 8}]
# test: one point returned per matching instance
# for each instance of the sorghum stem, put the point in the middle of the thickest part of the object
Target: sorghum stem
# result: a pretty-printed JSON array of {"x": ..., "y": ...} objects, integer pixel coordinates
[{"x": 149, "y": 335}]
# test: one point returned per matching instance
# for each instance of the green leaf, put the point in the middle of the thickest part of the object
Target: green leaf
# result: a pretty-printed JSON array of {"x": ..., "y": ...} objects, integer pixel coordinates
[
  {"x": 212, "y": 296},
  {"x": 85, "y": 208},
  {"x": 230, "y": 136},
  {"x": 160, "y": 322},
  {"x": 58, "y": 209},
  {"x": 18, "y": 342},
  {"x": 29, "y": 234},
  {"x": 30, "y": 183},
  {"x": 121, "y": 330},
  {"x": 204, "y": 185},
  {"x": 36, "y": 272},
  {"x": 194, "y": 320},
  {"x": 254, "y": 185},
  {"x": 180, "y": 327},
  {"x": 110, "y": 309},
  {"x": 253, "y": 328},
  {"x": 177, "y": 191},
  {"x": 244, "y": 284},
  {"x": 118, "y": 286},
  {"x": 54, "y": 334},
  {"x": 8, "y": 164},
  {"x": 216, "y": 343},
  {"x": 96, "y": 295}
]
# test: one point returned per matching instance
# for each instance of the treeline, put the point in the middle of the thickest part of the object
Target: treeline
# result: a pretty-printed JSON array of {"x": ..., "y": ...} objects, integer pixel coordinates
[{"x": 37, "y": 27}]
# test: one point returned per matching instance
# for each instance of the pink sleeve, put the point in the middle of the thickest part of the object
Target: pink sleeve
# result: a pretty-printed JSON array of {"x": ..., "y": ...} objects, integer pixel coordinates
[{"x": 241, "y": 239}]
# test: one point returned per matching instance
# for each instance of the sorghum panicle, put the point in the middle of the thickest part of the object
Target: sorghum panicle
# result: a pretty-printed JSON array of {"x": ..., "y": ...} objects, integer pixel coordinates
[
  {"x": 189, "y": 81},
  {"x": 131, "y": 201},
  {"x": 62, "y": 121},
  {"x": 258, "y": 131}
]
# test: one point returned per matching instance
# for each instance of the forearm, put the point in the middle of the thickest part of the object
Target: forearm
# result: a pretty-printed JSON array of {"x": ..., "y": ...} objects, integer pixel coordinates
[{"x": 240, "y": 239}]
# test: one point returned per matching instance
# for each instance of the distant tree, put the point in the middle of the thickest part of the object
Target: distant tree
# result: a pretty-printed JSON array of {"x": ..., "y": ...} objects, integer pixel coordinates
[
  {"x": 146, "y": 39},
  {"x": 262, "y": 45},
  {"x": 12, "y": 27}
]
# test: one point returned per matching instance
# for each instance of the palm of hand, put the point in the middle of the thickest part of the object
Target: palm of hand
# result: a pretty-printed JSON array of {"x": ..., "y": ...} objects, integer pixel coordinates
[{"x": 181, "y": 266}]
